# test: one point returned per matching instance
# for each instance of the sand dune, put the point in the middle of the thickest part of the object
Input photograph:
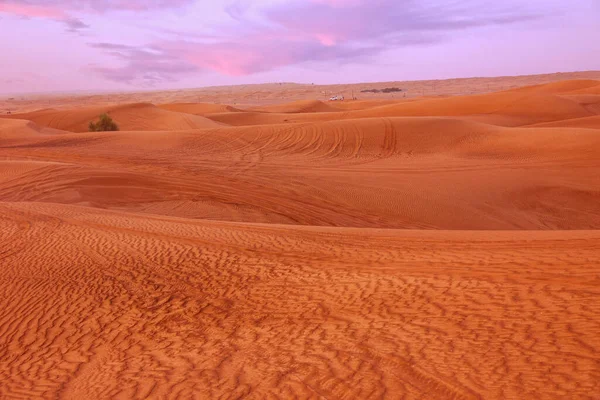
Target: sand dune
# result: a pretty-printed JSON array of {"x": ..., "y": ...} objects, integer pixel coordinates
[
  {"x": 365, "y": 104},
  {"x": 562, "y": 87},
  {"x": 385, "y": 248},
  {"x": 18, "y": 129},
  {"x": 251, "y": 118},
  {"x": 594, "y": 90},
  {"x": 138, "y": 117},
  {"x": 305, "y": 106},
  {"x": 590, "y": 102},
  {"x": 532, "y": 105},
  {"x": 198, "y": 108},
  {"x": 588, "y": 122},
  {"x": 516, "y": 108},
  {"x": 475, "y": 176}
]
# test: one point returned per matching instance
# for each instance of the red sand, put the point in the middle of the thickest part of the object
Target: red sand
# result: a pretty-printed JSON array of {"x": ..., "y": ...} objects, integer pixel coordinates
[{"x": 429, "y": 248}]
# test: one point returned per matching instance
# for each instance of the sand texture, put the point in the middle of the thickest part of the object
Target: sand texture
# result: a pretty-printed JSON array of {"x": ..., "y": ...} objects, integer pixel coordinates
[{"x": 435, "y": 247}]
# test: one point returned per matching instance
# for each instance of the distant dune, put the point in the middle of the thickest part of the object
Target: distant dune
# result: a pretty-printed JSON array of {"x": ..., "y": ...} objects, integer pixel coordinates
[
  {"x": 587, "y": 122},
  {"x": 198, "y": 108},
  {"x": 421, "y": 247},
  {"x": 19, "y": 129},
  {"x": 511, "y": 108},
  {"x": 130, "y": 117},
  {"x": 304, "y": 106},
  {"x": 270, "y": 94},
  {"x": 581, "y": 86}
]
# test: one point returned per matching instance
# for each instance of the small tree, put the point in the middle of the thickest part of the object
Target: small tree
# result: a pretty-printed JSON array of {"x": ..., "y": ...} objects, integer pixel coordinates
[{"x": 104, "y": 124}]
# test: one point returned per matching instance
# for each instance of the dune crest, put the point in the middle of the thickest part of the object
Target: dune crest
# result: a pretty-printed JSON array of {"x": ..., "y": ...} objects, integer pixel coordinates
[
  {"x": 129, "y": 117},
  {"x": 198, "y": 108},
  {"x": 304, "y": 106}
]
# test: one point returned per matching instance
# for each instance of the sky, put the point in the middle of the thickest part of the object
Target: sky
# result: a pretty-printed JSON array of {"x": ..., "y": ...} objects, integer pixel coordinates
[{"x": 113, "y": 45}]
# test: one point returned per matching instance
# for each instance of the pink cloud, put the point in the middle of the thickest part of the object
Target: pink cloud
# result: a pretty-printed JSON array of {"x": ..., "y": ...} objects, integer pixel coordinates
[
  {"x": 96, "y": 5},
  {"x": 61, "y": 11},
  {"x": 326, "y": 39},
  {"x": 227, "y": 59},
  {"x": 34, "y": 11},
  {"x": 311, "y": 31},
  {"x": 27, "y": 10},
  {"x": 339, "y": 3}
]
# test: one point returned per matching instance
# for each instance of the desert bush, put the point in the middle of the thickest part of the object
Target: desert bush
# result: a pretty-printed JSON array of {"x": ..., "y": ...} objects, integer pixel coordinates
[
  {"x": 104, "y": 124},
  {"x": 386, "y": 90}
]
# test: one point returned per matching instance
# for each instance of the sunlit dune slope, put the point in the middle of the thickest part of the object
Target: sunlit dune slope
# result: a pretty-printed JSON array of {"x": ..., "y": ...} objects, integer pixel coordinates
[
  {"x": 515, "y": 108},
  {"x": 198, "y": 108},
  {"x": 594, "y": 90},
  {"x": 588, "y": 122},
  {"x": 364, "y": 104},
  {"x": 18, "y": 129},
  {"x": 249, "y": 118},
  {"x": 527, "y": 106},
  {"x": 305, "y": 106},
  {"x": 591, "y": 102},
  {"x": 412, "y": 172},
  {"x": 99, "y": 304},
  {"x": 575, "y": 86},
  {"x": 133, "y": 117}
]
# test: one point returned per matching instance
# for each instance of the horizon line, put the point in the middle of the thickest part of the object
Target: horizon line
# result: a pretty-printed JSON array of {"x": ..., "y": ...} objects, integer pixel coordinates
[{"x": 100, "y": 92}]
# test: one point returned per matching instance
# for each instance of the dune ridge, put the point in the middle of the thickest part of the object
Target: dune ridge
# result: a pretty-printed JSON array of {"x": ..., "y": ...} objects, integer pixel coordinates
[
  {"x": 198, "y": 108},
  {"x": 138, "y": 117},
  {"x": 304, "y": 106}
]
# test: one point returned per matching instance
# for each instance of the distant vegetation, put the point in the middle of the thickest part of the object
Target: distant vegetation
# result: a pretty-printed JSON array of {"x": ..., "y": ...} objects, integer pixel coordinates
[
  {"x": 104, "y": 124},
  {"x": 386, "y": 90}
]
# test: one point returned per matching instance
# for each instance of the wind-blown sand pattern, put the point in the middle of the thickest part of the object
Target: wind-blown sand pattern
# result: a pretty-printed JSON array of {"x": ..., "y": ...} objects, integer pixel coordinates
[{"x": 421, "y": 248}]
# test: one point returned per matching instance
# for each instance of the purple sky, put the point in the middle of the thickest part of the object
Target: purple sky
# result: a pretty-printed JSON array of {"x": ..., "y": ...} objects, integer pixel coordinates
[{"x": 67, "y": 45}]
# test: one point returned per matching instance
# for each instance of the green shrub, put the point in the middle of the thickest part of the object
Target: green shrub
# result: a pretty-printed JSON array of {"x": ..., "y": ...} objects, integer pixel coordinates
[{"x": 104, "y": 124}]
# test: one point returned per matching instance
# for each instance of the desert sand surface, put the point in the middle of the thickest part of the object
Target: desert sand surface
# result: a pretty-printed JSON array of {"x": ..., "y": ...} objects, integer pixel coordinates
[{"x": 421, "y": 247}]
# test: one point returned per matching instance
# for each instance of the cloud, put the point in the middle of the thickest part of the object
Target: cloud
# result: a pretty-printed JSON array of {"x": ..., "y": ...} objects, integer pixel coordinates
[
  {"x": 295, "y": 32},
  {"x": 166, "y": 61},
  {"x": 336, "y": 21},
  {"x": 59, "y": 6},
  {"x": 142, "y": 66},
  {"x": 27, "y": 10},
  {"x": 62, "y": 10}
]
